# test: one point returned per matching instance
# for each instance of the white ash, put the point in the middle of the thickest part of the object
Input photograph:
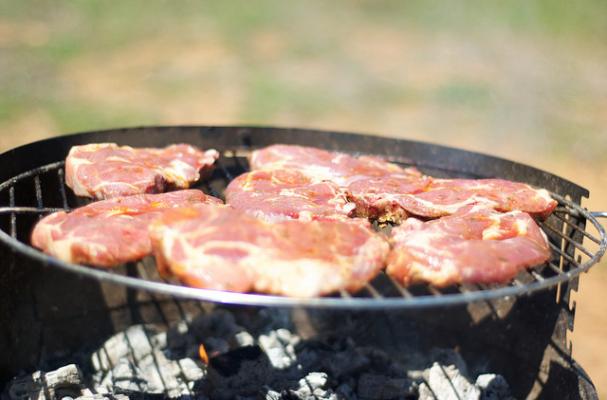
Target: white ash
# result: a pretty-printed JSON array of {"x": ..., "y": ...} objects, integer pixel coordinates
[
  {"x": 244, "y": 338},
  {"x": 418, "y": 363},
  {"x": 313, "y": 386},
  {"x": 279, "y": 345},
  {"x": 64, "y": 382},
  {"x": 257, "y": 355},
  {"x": 133, "y": 343},
  {"x": 153, "y": 373},
  {"x": 310, "y": 387},
  {"x": 448, "y": 383}
]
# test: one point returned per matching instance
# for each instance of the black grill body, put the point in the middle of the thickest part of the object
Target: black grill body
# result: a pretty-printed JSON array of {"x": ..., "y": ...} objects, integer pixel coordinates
[{"x": 46, "y": 313}]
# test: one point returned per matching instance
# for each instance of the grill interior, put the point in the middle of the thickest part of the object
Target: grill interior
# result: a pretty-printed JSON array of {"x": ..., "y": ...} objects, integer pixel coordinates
[{"x": 42, "y": 190}]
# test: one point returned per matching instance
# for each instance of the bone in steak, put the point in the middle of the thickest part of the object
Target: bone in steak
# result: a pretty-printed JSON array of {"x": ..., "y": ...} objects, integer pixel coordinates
[
  {"x": 226, "y": 249},
  {"x": 322, "y": 165},
  {"x": 109, "y": 232},
  {"x": 287, "y": 194},
  {"x": 106, "y": 170},
  {"x": 475, "y": 245}
]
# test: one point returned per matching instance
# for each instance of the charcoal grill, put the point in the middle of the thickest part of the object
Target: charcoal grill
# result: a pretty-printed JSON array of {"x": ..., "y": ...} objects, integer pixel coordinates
[{"x": 32, "y": 185}]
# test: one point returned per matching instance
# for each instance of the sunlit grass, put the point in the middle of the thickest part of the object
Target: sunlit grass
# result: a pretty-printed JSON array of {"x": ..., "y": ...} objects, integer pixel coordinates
[{"x": 44, "y": 38}]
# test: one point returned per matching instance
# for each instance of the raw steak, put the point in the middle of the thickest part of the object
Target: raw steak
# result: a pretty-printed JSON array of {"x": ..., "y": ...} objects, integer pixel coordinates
[
  {"x": 321, "y": 165},
  {"x": 106, "y": 170},
  {"x": 388, "y": 196},
  {"x": 382, "y": 198},
  {"x": 226, "y": 249},
  {"x": 287, "y": 194},
  {"x": 475, "y": 245},
  {"x": 109, "y": 232}
]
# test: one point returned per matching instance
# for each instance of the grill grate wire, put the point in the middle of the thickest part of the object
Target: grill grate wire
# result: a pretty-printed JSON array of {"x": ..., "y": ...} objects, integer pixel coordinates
[{"x": 562, "y": 227}]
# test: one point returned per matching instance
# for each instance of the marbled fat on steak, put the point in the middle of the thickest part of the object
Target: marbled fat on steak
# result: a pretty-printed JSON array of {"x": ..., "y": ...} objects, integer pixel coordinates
[
  {"x": 287, "y": 194},
  {"x": 475, "y": 245},
  {"x": 109, "y": 232},
  {"x": 387, "y": 196},
  {"x": 447, "y": 196},
  {"x": 388, "y": 192},
  {"x": 226, "y": 249},
  {"x": 106, "y": 170},
  {"x": 382, "y": 198},
  {"x": 321, "y": 165}
]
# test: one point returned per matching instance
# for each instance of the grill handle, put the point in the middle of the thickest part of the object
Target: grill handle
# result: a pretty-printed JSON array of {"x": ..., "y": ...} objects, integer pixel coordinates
[{"x": 599, "y": 214}]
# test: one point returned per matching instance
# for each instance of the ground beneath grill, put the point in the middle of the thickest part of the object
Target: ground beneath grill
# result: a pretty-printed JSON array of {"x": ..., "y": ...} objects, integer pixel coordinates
[{"x": 251, "y": 354}]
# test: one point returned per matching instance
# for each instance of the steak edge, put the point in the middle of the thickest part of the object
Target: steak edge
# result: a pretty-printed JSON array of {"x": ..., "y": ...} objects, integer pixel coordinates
[
  {"x": 106, "y": 170},
  {"x": 225, "y": 249},
  {"x": 476, "y": 245},
  {"x": 109, "y": 232}
]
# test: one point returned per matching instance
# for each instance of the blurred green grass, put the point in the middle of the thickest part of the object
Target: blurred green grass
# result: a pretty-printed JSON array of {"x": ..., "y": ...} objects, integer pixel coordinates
[
  {"x": 584, "y": 19},
  {"x": 524, "y": 100}
]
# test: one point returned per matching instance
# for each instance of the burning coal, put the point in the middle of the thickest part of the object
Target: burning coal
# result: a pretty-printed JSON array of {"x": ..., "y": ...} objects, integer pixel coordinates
[{"x": 227, "y": 355}]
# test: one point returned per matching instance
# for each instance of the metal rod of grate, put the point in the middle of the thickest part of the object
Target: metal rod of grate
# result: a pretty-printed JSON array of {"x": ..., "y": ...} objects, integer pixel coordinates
[{"x": 382, "y": 292}]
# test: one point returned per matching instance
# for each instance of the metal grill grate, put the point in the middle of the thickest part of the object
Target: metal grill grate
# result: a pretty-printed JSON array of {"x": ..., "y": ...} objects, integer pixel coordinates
[{"x": 42, "y": 190}]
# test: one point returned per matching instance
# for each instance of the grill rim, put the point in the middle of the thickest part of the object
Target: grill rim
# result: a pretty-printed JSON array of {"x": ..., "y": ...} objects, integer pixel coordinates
[
  {"x": 245, "y": 132},
  {"x": 373, "y": 301},
  {"x": 349, "y": 302}
]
